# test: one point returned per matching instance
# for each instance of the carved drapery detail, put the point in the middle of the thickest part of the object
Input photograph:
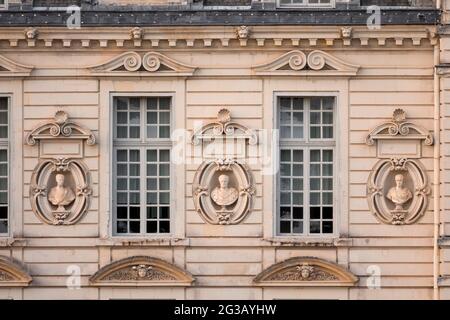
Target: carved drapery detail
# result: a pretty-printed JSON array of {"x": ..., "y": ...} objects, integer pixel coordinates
[
  {"x": 60, "y": 127},
  {"x": 141, "y": 271},
  {"x": 399, "y": 127},
  {"x": 297, "y": 62},
  {"x": 224, "y": 128},
  {"x": 151, "y": 63},
  {"x": 12, "y": 274},
  {"x": 305, "y": 271}
]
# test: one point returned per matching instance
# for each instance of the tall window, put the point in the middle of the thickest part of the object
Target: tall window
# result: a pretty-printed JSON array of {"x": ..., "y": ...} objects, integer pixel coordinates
[
  {"x": 142, "y": 165},
  {"x": 305, "y": 180},
  {"x": 4, "y": 214},
  {"x": 306, "y": 3}
]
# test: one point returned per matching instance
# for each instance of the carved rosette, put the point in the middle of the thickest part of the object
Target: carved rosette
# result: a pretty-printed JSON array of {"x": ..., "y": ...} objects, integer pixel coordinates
[
  {"x": 382, "y": 180},
  {"x": 215, "y": 208},
  {"x": 141, "y": 271},
  {"x": 78, "y": 181},
  {"x": 305, "y": 271}
]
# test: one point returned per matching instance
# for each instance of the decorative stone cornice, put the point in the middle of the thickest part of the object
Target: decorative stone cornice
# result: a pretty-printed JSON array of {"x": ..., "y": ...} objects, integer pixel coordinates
[
  {"x": 150, "y": 64},
  {"x": 12, "y": 274},
  {"x": 218, "y": 36},
  {"x": 297, "y": 62},
  {"x": 306, "y": 271},
  {"x": 141, "y": 271},
  {"x": 10, "y": 68}
]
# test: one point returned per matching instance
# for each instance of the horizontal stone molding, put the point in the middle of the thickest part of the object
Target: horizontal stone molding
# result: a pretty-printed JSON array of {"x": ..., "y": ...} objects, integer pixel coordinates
[{"x": 217, "y": 37}]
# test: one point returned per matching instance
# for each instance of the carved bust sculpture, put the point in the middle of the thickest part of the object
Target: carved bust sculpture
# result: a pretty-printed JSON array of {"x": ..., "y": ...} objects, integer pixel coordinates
[
  {"x": 223, "y": 195},
  {"x": 136, "y": 33},
  {"x": 399, "y": 194},
  {"x": 346, "y": 32},
  {"x": 60, "y": 195},
  {"x": 305, "y": 271}
]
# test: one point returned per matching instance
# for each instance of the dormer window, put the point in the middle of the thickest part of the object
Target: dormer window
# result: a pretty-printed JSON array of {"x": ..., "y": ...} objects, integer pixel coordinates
[{"x": 306, "y": 3}]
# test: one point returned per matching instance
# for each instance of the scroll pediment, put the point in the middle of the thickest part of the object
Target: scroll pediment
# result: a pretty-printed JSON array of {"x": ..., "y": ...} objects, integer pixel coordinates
[
  {"x": 141, "y": 271},
  {"x": 297, "y": 62},
  {"x": 399, "y": 127},
  {"x": 60, "y": 127},
  {"x": 9, "y": 68},
  {"x": 224, "y": 128},
  {"x": 12, "y": 274},
  {"x": 306, "y": 271},
  {"x": 150, "y": 64}
]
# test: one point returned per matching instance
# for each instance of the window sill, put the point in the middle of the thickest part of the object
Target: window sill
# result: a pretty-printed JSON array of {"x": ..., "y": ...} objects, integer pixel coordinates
[
  {"x": 147, "y": 241},
  {"x": 310, "y": 242}
]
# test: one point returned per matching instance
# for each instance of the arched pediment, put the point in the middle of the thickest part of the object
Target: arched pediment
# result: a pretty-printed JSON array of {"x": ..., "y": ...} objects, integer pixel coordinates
[
  {"x": 9, "y": 68},
  {"x": 150, "y": 64},
  {"x": 12, "y": 274},
  {"x": 315, "y": 63},
  {"x": 141, "y": 271},
  {"x": 306, "y": 271}
]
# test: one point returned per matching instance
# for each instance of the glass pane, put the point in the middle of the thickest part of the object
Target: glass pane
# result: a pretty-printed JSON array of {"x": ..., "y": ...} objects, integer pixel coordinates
[
  {"x": 122, "y": 212},
  {"x": 135, "y": 226},
  {"x": 152, "y": 117},
  {"x": 152, "y": 170},
  {"x": 152, "y": 184},
  {"x": 152, "y": 103},
  {"x": 327, "y": 118},
  {"x": 297, "y": 103},
  {"x": 164, "y": 226},
  {"x": 135, "y": 198},
  {"x": 152, "y": 226},
  {"x": 327, "y": 198},
  {"x": 135, "y": 104},
  {"x": 314, "y": 227},
  {"x": 135, "y": 213},
  {"x": 297, "y": 170},
  {"x": 315, "y": 184},
  {"x": 314, "y": 198},
  {"x": 135, "y": 118},
  {"x": 314, "y": 213},
  {"x": 164, "y": 184},
  {"x": 297, "y": 184},
  {"x": 164, "y": 198},
  {"x": 285, "y": 213},
  {"x": 327, "y": 155},
  {"x": 164, "y": 155},
  {"x": 298, "y": 117},
  {"x": 327, "y": 213},
  {"x": 134, "y": 184},
  {"x": 164, "y": 103},
  {"x": 315, "y": 170},
  {"x": 152, "y": 155},
  {"x": 122, "y": 198},
  {"x": 327, "y": 170},
  {"x": 164, "y": 117},
  {"x": 122, "y": 169},
  {"x": 134, "y": 170},
  {"x": 122, "y": 184},
  {"x": 122, "y": 117},
  {"x": 285, "y": 118},
  {"x": 285, "y": 155},
  {"x": 122, "y": 132},
  {"x": 285, "y": 227},
  {"x": 327, "y": 226},
  {"x": 164, "y": 132},
  {"x": 285, "y": 132},
  {"x": 315, "y": 103},
  {"x": 134, "y": 132},
  {"x": 297, "y": 132},
  {"x": 285, "y": 184},
  {"x": 315, "y": 155},
  {"x": 297, "y": 227},
  {"x": 152, "y": 132},
  {"x": 298, "y": 155},
  {"x": 134, "y": 155},
  {"x": 315, "y": 132},
  {"x": 3, "y": 118},
  {"x": 285, "y": 198},
  {"x": 327, "y": 184},
  {"x": 285, "y": 169},
  {"x": 152, "y": 198},
  {"x": 164, "y": 213},
  {"x": 122, "y": 227},
  {"x": 152, "y": 212},
  {"x": 297, "y": 198},
  {"x": 164, "y": 170},
  {"x": 298, "y": 212},
  {"x": 327, "y": 132},
  {"x": 315, "y": 117}
]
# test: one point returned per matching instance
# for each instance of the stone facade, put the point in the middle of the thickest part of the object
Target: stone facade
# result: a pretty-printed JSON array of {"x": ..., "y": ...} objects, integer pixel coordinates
[{"x": 391, "y": 118}]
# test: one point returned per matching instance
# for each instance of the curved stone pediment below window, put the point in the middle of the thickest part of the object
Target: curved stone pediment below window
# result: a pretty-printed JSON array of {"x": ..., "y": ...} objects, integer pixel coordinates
[
  {"x": 306, "y": 271},
  {"x": 141, "y": 271},
  {"x": 12, "y": 274}
]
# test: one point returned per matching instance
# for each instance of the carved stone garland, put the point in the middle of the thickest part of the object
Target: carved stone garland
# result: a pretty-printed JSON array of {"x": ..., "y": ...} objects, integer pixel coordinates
[
  {"x": 60, "y": 187},
  {"x": 223, "y": 189},
  {"x": 398, "y": 188}
]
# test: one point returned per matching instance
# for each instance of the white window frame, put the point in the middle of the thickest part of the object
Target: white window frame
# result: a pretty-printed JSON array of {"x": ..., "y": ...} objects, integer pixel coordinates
[
  {"x": 306, "y": 145},
  {"x": 139, "y": 144},
  {"x": 5, "y": 145},
  {"x": 4, "y": 6},
  {"x": 332, "y": 4}
]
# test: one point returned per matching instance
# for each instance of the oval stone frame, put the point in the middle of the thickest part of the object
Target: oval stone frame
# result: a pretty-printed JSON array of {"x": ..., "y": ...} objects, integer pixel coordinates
[
  {"x": 80, "y": 179},
  {"x": 379, "y": 184},
  {"x": 204, "y": 183}
]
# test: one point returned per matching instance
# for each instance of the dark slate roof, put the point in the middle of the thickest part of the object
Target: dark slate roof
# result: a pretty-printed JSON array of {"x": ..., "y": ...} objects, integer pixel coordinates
[{"x": 138, "y": 17}]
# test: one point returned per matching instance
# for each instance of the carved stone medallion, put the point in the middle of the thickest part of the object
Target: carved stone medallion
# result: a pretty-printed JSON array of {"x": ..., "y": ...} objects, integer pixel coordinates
[
  {"x": 223, "y": 191},
  {"x": 398, "y": 191},
  {"x": 60, "y": 191},
  {"x": 60, "y": 185}
]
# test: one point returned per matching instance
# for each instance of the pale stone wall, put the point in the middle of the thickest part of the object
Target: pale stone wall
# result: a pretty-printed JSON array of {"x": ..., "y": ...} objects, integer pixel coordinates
[{"x": 225, "y": 259}]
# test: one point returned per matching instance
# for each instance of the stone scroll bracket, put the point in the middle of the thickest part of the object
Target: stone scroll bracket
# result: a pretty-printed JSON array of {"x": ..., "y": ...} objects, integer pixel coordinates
[
  {"x": 60, "y": 187},
  {"x": 398, "y": 187}
]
